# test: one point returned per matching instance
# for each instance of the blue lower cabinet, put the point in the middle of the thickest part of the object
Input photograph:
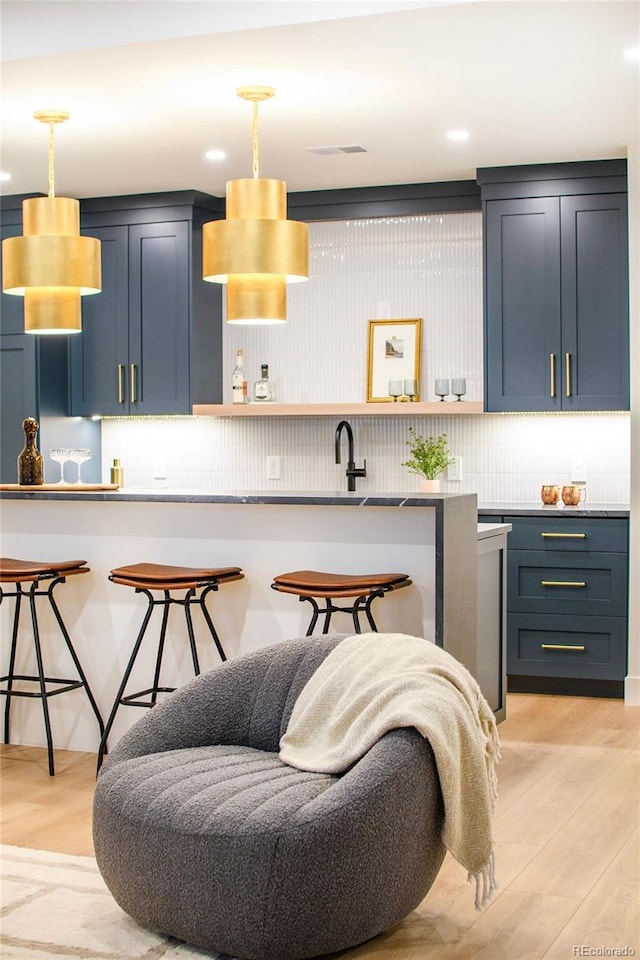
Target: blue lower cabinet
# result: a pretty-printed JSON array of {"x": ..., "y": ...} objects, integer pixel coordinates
[{"x": 567, "y": 599}]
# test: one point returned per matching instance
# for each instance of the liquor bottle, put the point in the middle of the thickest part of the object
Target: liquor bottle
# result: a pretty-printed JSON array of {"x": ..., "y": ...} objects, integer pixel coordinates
[
  {"x": 116, "y": 473},
  {"x": 30, "y": 460},
  {"x": 264, "y": 391},
  {"x": 238, "y": 380}
]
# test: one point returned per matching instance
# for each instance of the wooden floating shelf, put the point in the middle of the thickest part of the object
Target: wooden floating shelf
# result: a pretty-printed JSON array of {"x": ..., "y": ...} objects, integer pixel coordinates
[{"x": 400, "y": 409}]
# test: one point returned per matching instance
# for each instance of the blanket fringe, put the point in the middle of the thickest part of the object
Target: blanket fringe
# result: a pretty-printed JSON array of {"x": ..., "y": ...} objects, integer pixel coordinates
[{"x": 485, "y": 882}]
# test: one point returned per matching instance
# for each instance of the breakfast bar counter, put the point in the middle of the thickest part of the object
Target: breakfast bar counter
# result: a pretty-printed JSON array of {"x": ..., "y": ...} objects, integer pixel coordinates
[{"x": 430, "y": 537}]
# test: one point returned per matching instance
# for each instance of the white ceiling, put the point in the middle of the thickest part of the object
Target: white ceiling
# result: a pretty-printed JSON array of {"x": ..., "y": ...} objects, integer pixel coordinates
[{"x": 151, "y": 86}]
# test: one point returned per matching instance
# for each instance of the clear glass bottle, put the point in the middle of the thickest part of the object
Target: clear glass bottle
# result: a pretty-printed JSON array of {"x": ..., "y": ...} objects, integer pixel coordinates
[
  {"x": 30, "y": 460},
  {"x": 238, "y": 380},
  {"x": 264, "y": 390}
]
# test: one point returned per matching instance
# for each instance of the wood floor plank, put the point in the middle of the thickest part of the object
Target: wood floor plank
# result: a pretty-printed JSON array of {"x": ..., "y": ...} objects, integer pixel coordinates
[
  {"x": 610, "y": 915},
  {"x": 599, "y": 825}
]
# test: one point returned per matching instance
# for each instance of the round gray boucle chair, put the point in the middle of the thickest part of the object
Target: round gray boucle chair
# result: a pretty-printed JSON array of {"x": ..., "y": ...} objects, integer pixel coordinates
[{"x": 203, "y": 834}]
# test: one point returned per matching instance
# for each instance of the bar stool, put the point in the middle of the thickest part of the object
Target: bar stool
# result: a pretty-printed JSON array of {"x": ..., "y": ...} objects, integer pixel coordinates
[
  {"x": 311, "y": 585},
  {"x": 48, "y": 576},
  {"x": 197, "y": 583}
]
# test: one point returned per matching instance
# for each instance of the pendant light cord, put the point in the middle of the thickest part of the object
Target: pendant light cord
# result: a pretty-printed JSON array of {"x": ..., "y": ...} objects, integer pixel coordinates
[
  {"x": 254, "y": 136},
  {"x": 52, "y": 191}
]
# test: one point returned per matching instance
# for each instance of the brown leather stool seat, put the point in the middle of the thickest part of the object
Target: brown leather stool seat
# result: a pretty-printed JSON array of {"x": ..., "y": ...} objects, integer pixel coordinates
[
  {"x": 311, "y": 585},
  {"x": 196, "y": 583},
  {"x": 43, "y": 578}
]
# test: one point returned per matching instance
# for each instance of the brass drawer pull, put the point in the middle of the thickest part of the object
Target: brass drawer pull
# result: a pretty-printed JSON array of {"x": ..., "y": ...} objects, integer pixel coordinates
[
  {"x": 580, "y": 647},
  {"x": 120, "y": 390},
  {"x": 567, "y": 367},
  {"x": 563, "y": 583},
  {"x": 552, "y": 374},
  {"x": 564, "y": 536},
  {"x": 133, "y": 383}
]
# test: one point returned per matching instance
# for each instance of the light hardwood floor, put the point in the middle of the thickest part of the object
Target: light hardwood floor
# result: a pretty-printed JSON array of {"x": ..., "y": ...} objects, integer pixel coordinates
[{"x": 567, "y": 835}]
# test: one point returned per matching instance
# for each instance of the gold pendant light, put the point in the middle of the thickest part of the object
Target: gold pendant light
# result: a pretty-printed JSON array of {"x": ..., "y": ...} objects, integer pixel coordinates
[
  {"x": 256, "y": 251},
  {"x": 51, "y": 265}
]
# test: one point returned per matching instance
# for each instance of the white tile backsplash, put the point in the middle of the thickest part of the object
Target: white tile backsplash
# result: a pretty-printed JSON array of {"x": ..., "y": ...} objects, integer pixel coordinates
[
  {"x": 428, "y": 267},
  {"x": 505, "y": 458}
]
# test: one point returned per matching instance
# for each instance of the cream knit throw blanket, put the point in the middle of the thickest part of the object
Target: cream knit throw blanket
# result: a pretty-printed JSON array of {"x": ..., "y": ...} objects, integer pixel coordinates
[{"x": 375, "y": 682}]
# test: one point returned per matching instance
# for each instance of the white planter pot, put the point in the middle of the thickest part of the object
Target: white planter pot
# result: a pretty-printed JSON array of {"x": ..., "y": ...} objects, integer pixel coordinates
[{"x": 430, "y": 486}]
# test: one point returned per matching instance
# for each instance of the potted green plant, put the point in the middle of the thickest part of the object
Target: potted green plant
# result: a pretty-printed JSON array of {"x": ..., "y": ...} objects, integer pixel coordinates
[{"x": 429, "y": 458}]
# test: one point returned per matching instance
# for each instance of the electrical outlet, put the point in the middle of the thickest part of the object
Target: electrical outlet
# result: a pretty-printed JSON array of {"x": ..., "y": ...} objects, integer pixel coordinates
[
  {"x": 273, "y": 468},
  {"x": 578, "y": 470},
  {"x": 454, "y": 470}
]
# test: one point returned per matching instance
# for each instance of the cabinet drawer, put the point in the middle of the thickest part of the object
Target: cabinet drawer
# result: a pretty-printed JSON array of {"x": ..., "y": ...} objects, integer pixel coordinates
[
  {"x": 553, "y": 646},
  {"x": 577, "y": 534},
  {"x": 590, "y": 584}
]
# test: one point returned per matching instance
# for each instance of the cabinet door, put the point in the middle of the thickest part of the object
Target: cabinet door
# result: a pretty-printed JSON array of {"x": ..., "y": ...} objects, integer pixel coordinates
[
  {"x": 100, "y": 354},
  {"x": 522, "y": 304},
  {"x": 19, "y": 379},
  {"x": 595, "y": 302},
  {"x": 159, "y": 345}
]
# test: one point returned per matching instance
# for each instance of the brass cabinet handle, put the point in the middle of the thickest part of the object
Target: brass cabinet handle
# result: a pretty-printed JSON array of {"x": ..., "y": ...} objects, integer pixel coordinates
[
  {"x": 120, "y": 389},
  {"x": 567, "y": 370},
  {"x": 564, "y": 536},
  {"x": 563, "y": 583},
  {"x": 563, "y": 646},
  {"x": 132, "y": 382},
  {"x": 552, "y": 374}
]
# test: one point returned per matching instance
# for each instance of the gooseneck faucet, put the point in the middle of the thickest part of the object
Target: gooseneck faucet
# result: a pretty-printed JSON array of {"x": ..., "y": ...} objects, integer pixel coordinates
[{"x": 352, "y": 471}]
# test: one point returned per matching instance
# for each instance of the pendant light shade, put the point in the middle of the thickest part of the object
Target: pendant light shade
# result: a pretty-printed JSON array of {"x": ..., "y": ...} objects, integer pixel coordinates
[
  {"x": 256, "y": 251},
  {"x": 51, "y": 265}
]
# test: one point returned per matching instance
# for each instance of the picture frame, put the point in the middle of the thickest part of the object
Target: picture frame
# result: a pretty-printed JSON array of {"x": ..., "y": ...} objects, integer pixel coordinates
[{"x": 394, "y": 354}]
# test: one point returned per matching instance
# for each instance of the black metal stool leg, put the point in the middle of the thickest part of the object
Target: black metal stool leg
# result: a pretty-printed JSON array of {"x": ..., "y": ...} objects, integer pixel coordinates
[
  {"x": 12, "y": 661},
  {"x": 161, "y": 640},
  {"x": 367, "y": 610},
  {"x": 74, "y": 656},
  {"x": 125, "y": 679},
  {"x": 207, "y": 616},
  {"x": 328, "y": 610},
  {"x": 314, "y": 618},
  {"x": 192, "y": 640},
  {"x": 41, "y": 676}
]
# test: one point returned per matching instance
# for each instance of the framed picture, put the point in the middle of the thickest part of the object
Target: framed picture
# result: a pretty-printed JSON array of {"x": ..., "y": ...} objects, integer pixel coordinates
[{"x": 394, "y": 357}]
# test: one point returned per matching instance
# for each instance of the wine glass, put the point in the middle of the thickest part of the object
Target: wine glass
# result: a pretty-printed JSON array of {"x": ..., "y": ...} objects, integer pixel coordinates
[
  {"x": 442, "y": 389},
  {"x": 79, "y": 455},
  {"x": 395, "y": 389},
  {"x": 411, "y": 389},
  {"x": 60, "y": 455},
  {"x": 459, "y": 387}
]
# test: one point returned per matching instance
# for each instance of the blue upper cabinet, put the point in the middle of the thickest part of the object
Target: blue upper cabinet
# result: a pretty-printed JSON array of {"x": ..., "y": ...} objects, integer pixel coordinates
[
  {"x": 556, "y": 287},
  {"x": 151, "y": 341}
]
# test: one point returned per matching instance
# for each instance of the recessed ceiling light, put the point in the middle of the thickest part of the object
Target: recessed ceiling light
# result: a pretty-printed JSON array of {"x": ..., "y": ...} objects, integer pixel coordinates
[
  {"x": 215, "y": 154},
  {"x": 5, "y": 176},
  {"x": 458, "y": 134},
  {"x": 632, "y": 54}
]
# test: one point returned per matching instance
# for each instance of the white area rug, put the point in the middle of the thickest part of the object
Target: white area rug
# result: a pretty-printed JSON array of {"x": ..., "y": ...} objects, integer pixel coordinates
[{"x": 57, "y": 906}]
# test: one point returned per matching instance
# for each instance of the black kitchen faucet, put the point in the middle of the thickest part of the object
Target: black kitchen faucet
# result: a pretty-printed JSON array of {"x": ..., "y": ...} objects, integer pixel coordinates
[{"x": 352, "y": 471}]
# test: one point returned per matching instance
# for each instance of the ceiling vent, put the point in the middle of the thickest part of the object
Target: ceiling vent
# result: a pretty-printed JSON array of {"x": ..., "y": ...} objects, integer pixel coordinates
[{"x": 329, "y": 151}]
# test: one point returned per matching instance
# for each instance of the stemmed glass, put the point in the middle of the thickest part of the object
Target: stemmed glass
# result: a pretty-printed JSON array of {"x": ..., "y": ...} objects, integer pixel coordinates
[
  {"x": 411, "y": 389},
  {"x": 60, "y": 455},
  {"x": 442, "y": 389},
  {"x": 459, "y": 387},
  {"x": 79, "y": 456},
  {"x": 395, "y": 389}
]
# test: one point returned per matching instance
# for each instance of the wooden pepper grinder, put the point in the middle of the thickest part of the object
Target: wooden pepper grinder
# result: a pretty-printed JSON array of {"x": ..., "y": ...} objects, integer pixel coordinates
[{"x": 30, "y": 461}]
